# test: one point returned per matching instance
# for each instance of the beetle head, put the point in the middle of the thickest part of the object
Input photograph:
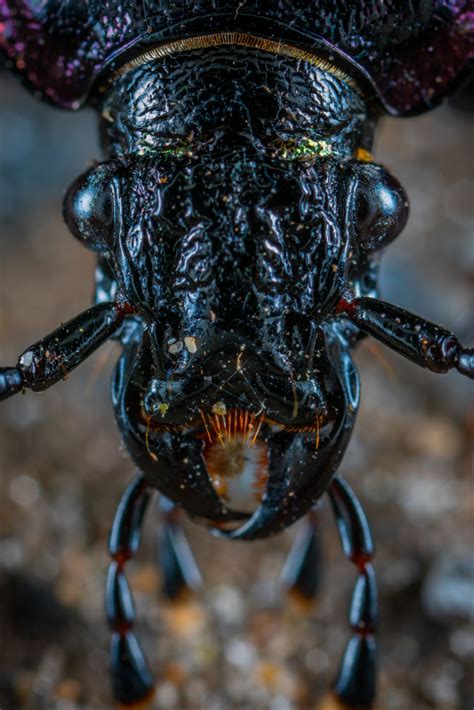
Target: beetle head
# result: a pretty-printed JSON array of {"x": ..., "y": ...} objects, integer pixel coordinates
[{"x": 243, "y": 377}]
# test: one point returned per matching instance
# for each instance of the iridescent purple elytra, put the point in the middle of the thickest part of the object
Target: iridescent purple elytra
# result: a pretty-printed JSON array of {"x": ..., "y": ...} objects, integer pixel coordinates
[{"x": 412, "y": 53}]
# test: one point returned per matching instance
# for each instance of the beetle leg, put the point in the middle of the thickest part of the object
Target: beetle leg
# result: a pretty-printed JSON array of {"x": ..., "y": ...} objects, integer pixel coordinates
[
  {"x": 11, "y": 382},
  {"x": 131, "y": 678},
  {"x": 180, "y": 572},
  {"x": 301, "y": 575},
  {"x": 55, "y": 356},
  {"x": 417, "y": 339},
  {"x": 355, "y": 685}
]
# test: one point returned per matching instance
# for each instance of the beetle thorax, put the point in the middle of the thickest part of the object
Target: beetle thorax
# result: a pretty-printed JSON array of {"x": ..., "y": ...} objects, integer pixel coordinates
[{"x": 203, "y": 96}]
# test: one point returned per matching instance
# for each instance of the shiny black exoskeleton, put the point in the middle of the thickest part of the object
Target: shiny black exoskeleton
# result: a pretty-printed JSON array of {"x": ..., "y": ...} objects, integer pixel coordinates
[{"x": 238, "y": 219}]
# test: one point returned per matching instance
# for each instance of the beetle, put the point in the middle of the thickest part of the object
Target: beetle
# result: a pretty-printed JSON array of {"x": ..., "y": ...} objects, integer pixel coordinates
[{"x": 238, "y": 219}]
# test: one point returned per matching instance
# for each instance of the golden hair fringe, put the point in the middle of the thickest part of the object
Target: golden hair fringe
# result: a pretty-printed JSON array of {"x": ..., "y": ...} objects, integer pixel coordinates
[{"x": 239, "y": 39}]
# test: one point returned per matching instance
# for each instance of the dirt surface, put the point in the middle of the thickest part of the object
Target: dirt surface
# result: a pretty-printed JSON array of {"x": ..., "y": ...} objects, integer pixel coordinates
[{"x": 63, "y": 471}]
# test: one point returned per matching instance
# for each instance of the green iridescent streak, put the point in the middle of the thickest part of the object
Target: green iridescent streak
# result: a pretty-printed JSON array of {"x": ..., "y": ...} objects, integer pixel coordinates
[
  {"x": 304, "y": 149},
  {"x": 176, "y": 150}
]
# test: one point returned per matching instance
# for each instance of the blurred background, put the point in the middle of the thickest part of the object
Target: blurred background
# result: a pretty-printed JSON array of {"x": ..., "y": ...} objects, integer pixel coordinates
[{"x": 63, "y": 469}]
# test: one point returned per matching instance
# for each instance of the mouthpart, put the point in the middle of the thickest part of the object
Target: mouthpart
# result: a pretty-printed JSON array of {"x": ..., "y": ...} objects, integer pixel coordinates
[{"x": 236, "y": 448}]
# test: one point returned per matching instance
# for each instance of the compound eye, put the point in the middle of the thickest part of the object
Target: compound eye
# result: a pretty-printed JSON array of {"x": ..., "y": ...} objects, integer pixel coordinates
[
  {"x": 381, "y": 207},
  {"x": 91, "y": 208}
]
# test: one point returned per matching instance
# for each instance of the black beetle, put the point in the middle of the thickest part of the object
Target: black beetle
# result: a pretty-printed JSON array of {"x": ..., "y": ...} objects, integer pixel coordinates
[{"x": 238, "y": 220}]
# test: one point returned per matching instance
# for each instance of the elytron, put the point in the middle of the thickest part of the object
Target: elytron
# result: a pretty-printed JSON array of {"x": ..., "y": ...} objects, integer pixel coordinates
[{"x": 238, "y": 219}]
